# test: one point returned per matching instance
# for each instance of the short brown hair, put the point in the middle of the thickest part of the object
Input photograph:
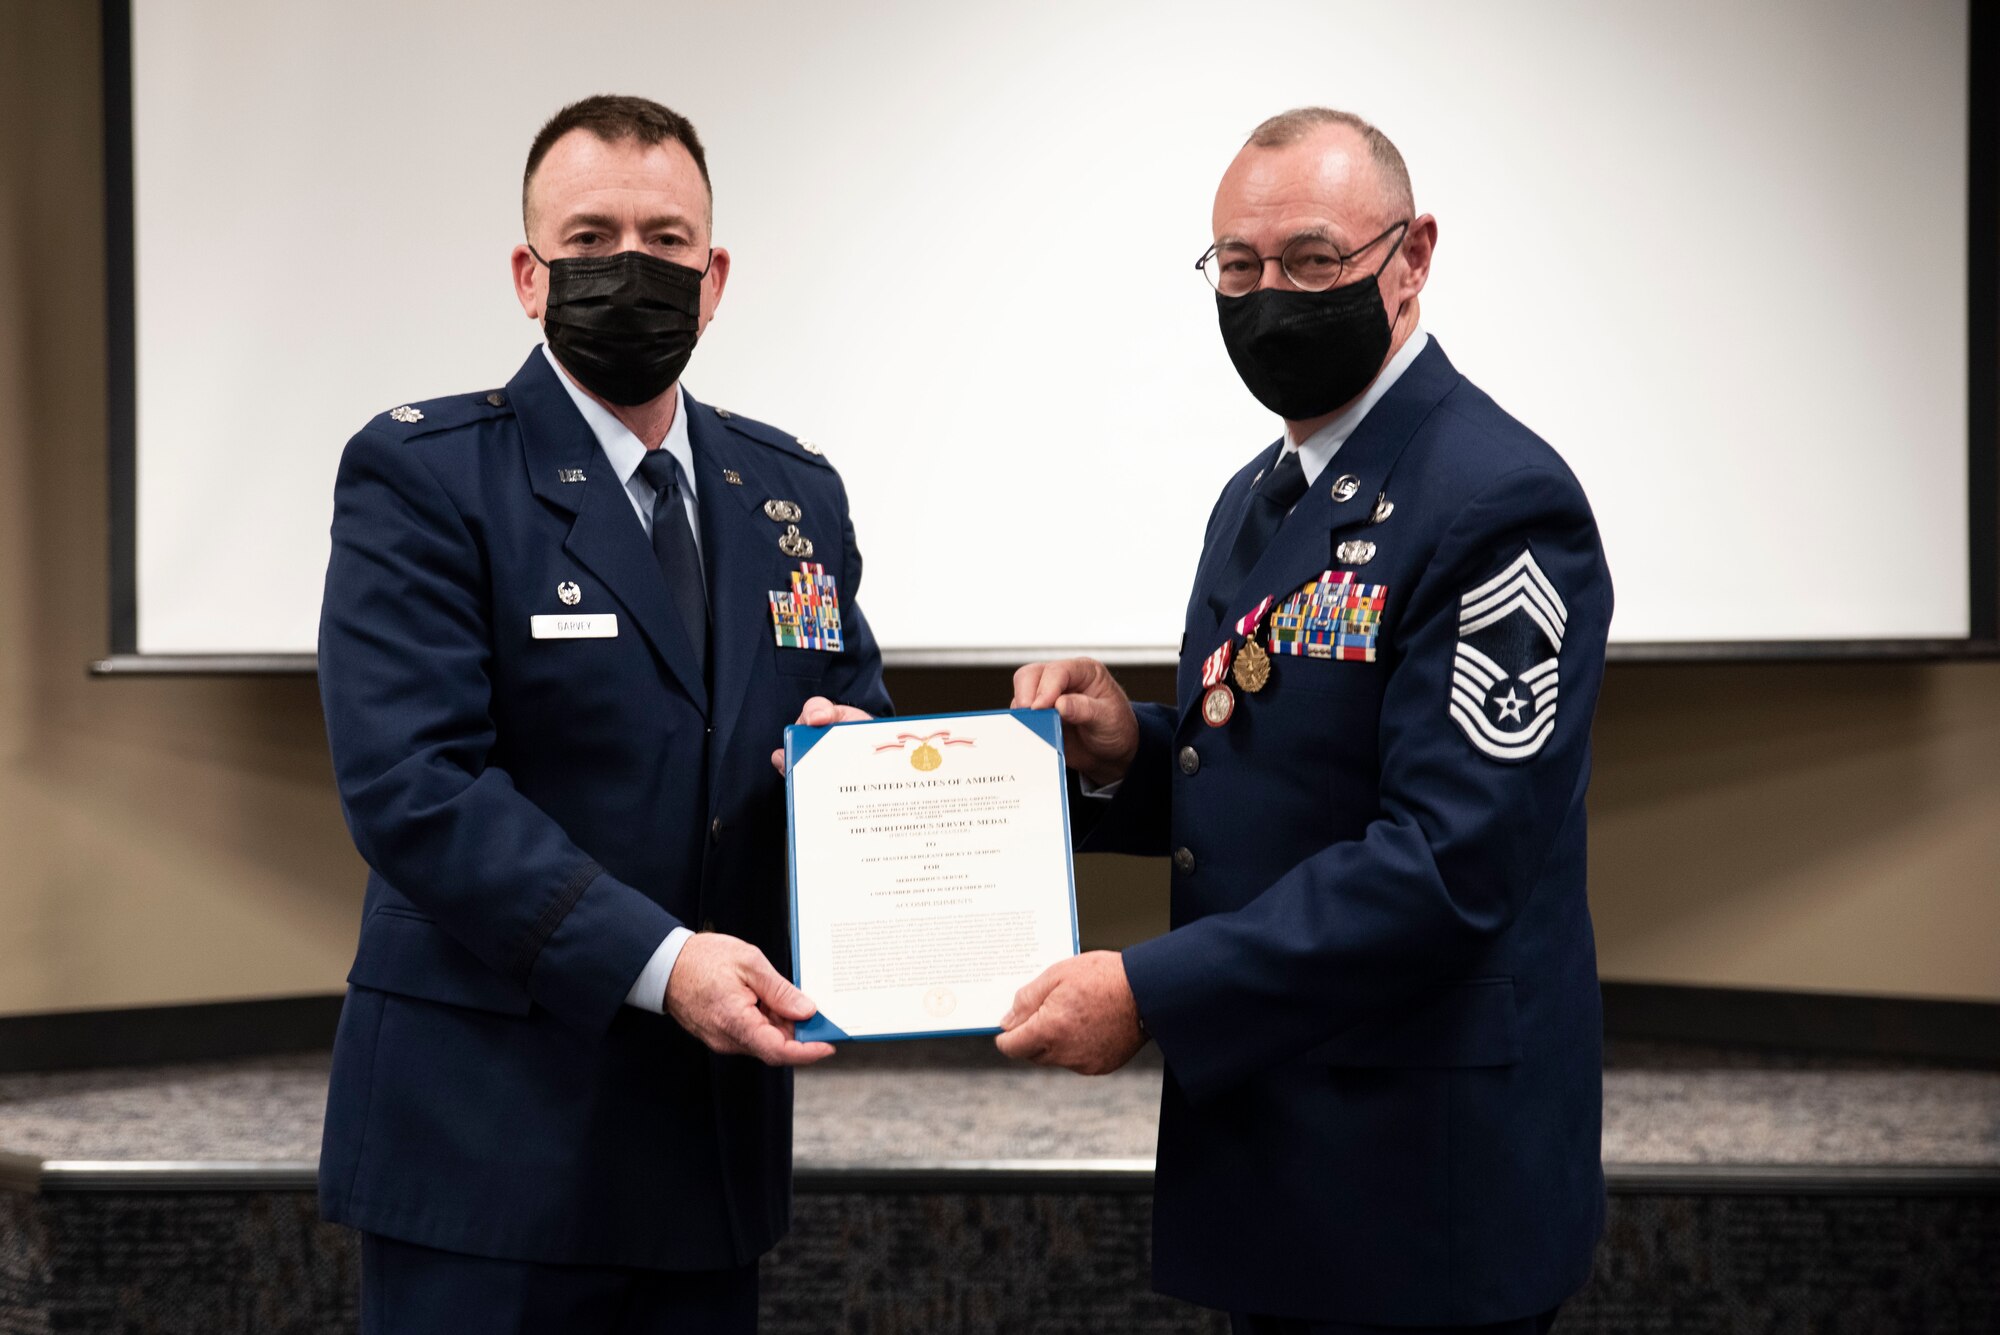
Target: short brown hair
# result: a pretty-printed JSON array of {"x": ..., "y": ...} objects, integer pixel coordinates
[
  {"x": 612, "y": 118},
  {"x": 1288, "y": 127}
]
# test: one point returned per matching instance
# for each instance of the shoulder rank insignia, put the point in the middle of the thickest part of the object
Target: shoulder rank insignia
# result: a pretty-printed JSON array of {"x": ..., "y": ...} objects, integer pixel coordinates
[
  {"x": 407, "y": 414},
  {"x": 1503, "y": 674},
  {"x": 809, "y": 447}
]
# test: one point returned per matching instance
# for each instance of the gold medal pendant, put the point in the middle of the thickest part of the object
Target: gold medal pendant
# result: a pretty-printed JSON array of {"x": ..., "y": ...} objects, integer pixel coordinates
[
  {"x": 1217, "y": 705},
  {"x": 926, "y": 758},
  {"x": 1253, "y": 666}
]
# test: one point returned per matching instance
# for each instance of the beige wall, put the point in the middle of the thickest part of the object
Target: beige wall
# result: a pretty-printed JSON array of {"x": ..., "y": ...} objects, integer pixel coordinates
[{"x": 1799, "y": 827}]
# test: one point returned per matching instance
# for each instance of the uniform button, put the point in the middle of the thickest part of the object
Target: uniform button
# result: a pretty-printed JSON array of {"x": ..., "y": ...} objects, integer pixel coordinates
[
  {"x": 1184, "y": 860},
  {"x": 1190, "y": 760},
  {"x": 497, "y": 399},
  {"x": 715, "y": 830}
]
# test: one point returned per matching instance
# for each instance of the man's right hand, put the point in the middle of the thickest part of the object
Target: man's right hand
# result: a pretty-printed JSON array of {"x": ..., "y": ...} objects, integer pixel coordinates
[
  {"x": 1100, "y": 732},
  {"x": 725, "y": 993}
]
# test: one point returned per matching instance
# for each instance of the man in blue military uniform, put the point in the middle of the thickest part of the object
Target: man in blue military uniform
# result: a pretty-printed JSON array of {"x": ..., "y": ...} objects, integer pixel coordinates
[
  {"x": 1378, "y": 1004},
  {"x": 565, "y": 622}
]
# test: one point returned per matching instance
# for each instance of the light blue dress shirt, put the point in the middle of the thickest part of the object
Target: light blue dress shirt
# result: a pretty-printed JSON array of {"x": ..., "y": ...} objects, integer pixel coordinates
[{"x": 624, "y": 451}]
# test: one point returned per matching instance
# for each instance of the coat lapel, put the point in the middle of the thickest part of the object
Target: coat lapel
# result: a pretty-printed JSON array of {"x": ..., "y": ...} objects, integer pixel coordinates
[
  {"x": 1304, "y": 545},
  {"x": 605, "y": 535},
  {"x": 1200, "y": 619},
  {"x": 738, "y": 546}
]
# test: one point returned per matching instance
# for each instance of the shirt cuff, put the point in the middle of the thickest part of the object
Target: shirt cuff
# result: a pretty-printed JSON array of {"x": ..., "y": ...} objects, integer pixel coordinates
[
  {"x": 1104, "y": 794},
  {"x": 650, "y": 992}
]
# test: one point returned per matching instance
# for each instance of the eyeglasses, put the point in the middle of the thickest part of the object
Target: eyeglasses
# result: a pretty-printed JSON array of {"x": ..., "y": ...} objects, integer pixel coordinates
[{"x": 1313, "y": 264}]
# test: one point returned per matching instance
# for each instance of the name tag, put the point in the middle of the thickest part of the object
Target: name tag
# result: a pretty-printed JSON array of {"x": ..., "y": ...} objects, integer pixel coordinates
[{"x": 597, "y": 626}]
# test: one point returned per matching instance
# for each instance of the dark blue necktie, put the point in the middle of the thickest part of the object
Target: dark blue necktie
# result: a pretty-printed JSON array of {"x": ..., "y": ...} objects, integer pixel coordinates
[
  {"x": 1269, "y": 504},
  {"x": 673, "y": 545}
]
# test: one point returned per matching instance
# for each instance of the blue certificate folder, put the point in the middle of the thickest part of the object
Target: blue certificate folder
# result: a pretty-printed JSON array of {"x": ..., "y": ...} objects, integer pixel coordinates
[{"x": 799, "y": 740}]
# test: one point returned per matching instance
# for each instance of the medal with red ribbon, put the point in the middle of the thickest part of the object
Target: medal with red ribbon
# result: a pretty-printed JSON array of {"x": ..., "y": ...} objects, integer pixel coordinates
[
  {"x": 1217, "y": 702},
  {"x": 1253, "y": 668},
  {"x": 1253, "y": 665}
]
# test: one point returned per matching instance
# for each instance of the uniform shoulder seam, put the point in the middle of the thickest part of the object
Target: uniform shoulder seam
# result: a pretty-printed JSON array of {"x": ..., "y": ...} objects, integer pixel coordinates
[
  {"x": 774, "y": 438},
  {"x": 429, "y": 417}
]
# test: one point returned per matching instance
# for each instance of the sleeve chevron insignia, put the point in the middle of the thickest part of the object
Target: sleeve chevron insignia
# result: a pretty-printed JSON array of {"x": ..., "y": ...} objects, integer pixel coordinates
[{"x": 1504, "y": 670}]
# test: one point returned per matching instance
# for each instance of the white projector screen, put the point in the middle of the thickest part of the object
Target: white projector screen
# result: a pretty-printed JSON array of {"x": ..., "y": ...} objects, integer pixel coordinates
[{"x": 1713, "y": 251}]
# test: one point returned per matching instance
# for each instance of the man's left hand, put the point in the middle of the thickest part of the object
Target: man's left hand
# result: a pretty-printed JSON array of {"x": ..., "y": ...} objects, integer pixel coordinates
[
  {"x": 1079, "y": 1014},
  {"x": 818, "y": 713}
]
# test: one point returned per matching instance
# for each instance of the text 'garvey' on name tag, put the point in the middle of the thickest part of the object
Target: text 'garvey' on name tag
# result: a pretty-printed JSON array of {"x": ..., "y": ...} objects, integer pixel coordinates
[{"x": 556, "y": 626}]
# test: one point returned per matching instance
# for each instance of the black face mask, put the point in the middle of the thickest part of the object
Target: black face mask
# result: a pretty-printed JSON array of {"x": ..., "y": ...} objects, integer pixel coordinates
[
  {"x": 624, "y": 325},
  {"x": 1304, "y": 354}
]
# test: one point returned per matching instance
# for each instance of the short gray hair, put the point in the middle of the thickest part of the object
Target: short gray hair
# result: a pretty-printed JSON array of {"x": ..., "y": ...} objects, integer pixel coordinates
[{"x": 1288, "y": 127}]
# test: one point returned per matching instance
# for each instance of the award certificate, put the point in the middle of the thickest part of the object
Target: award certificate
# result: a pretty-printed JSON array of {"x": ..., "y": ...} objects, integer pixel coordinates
[{"x": 931, "y": 870}]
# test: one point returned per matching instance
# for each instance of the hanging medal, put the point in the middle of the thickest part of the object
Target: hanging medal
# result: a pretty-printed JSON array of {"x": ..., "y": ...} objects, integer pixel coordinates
[
  {"x": 1253, "y": 665},
  {"x": 1217, "y": 701}
]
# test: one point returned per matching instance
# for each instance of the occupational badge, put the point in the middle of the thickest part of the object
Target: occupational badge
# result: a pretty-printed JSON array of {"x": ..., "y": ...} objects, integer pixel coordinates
[
  {"x": 1503, "y": 672},
  {"x": 1354, "y": 553},
  {"x": 794, "y": 543},
  {"x": 784, "y": 512},
  {"x": 570, "y": 594},
  {"x": 807, "y": 615}
]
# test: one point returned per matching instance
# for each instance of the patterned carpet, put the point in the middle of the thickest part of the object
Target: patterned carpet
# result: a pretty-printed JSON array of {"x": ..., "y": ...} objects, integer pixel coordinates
[
  {"x": 1057, "y": 1261},
  {"x": 956, "y": 1100}
]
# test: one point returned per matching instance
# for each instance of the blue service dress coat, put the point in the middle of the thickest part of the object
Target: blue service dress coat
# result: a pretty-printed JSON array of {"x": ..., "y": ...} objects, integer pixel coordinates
[
  {"x": 538, "y": 813},
  {"x": 1378, "y": 1004}
]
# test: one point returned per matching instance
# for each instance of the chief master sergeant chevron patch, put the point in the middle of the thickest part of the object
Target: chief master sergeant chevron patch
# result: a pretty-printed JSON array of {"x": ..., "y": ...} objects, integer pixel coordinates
[{"x": 1503, "y": 676}]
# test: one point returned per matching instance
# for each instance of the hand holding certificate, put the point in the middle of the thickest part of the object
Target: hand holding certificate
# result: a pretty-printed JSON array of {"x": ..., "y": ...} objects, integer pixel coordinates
[{"x": 931, "y": 870}]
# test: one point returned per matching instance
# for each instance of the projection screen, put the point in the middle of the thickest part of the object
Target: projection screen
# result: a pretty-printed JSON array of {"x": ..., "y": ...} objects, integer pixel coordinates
[{"x": 1716, "y": 253}]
